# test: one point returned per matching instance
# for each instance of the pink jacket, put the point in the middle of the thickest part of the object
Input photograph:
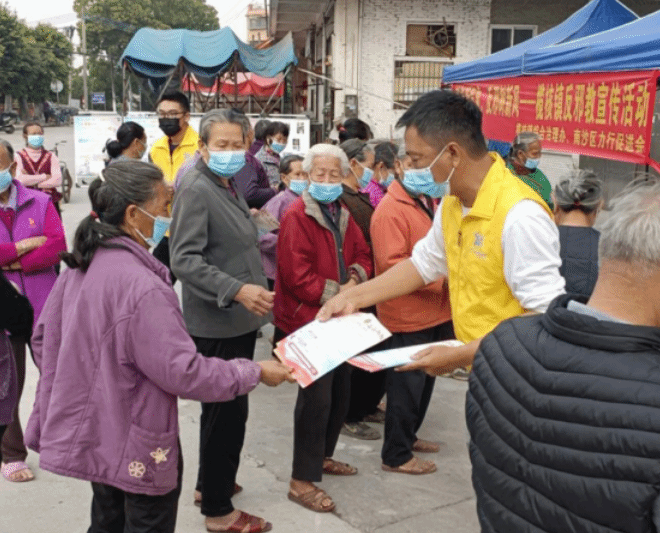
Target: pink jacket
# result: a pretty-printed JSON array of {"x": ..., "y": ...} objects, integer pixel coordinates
[
  {"x": 114, "y": 354},
  {"x": 48, "y": 180},
  {"x": 34, "y": 216}
]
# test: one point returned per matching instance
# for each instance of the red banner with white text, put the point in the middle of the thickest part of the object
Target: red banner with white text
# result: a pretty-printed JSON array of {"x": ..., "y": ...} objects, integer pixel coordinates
[{"x": 608, "y": 115}]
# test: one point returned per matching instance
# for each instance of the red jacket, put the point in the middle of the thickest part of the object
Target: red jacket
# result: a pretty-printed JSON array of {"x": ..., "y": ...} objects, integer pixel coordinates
[{"x": 308, "y": 267}]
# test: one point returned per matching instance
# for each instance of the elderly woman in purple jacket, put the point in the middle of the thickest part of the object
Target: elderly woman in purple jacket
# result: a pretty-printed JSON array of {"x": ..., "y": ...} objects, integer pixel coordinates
[
  {"x": 293, "y": 181},
  {"x": 114, "y": 355}
]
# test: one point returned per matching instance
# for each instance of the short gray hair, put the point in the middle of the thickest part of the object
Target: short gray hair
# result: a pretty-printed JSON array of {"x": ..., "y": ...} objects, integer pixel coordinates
[
  {"x": 581, "y": 189},
  {"x": 8, "y": 147},
  {"x": 223, "y": 116},
  {"x": 356, "y": 149},
  {"x": 522, "y": 142},
  {"x": 632, "y": 231},
  {"x": 330, "y": 150}
]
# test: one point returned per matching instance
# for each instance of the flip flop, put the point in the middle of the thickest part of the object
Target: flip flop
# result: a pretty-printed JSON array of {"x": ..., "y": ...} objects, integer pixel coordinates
[
  {"x": 426, "y": 446},
  {"x": 313, "y": 500},
  {"x": 335, "y": 468},
  {"x": 237, "y": 489},
  {"x": 245, "y": 523},
  {"x": 9, "y": 469},
  {"x": 417, "y": 468}
]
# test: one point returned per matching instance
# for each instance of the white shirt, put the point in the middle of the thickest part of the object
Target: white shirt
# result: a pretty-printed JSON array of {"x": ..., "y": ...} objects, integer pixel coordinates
[{"x": 530, "y": 243}]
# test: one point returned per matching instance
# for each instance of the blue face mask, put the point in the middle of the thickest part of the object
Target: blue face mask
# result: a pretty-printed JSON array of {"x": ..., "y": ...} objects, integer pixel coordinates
[
  {"x": 420, "y": 181},
  {"x": 367, "y": 176},
  {"x": 325, "y": 193},
  {"x": 532, "y": 164},
  {"x": 161, "y": 225},
  {"x": 298, "y": 186},
  {"x": 388, "y": 180},
  {"x": 36, "y": 141},
  {"x": 278, "y": 148},
  {"x": 226, "y": 164},
  {"x": 5, "y": 180}
]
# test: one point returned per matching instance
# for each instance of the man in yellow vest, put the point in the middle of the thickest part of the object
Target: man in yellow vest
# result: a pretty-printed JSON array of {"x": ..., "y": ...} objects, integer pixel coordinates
[
  {"x": 492, "y": 236},
  {"x": 174, "y": 149}
]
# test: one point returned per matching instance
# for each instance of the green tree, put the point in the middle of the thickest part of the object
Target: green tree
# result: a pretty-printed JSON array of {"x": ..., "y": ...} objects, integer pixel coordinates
[{"x": 31, "y": 59}]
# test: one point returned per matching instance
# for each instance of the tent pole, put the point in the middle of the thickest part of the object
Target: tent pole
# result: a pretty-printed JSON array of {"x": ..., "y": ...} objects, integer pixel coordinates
[
  {"x": 167, "y": 83},
  {"x": 124, "y": 84},
  {"x": 218, "y": 84},
  {"x": 277, "y": 88},
  {"x": 235, "y": 84}
]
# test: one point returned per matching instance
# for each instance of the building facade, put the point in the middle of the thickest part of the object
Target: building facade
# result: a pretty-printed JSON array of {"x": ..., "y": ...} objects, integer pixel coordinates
[{"x": 257, "y": 24}]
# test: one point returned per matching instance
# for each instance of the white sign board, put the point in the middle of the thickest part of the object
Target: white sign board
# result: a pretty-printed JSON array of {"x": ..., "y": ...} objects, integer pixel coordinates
[{"x": 90, "y": 133}]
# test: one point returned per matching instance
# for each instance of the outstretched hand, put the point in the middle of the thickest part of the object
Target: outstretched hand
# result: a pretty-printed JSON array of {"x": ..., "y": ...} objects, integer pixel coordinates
[
  {"x": 340, "y": 305},
  {"x": 273, "y": 373},
  {"x": 437, "y": 360}
]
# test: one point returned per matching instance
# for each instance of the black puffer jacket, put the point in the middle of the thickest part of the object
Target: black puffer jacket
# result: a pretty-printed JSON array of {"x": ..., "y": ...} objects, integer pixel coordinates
[{"x": 564, "y": 416}]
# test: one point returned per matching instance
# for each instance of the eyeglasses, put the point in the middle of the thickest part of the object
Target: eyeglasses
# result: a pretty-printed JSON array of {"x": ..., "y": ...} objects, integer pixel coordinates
[{"x": 171, "y": 114}]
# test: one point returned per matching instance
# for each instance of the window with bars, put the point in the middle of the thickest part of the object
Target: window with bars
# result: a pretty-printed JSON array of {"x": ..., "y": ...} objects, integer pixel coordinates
[{"x": 413, "y": 78}]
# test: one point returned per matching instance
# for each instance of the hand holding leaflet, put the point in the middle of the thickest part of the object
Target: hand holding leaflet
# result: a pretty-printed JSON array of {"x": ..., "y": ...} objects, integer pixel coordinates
[
  {"x": 320, "y": 347},
  {"x": 376, "y": 361}
]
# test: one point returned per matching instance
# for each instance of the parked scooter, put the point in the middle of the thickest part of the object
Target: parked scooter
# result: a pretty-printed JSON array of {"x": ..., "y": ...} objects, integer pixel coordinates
[{"x": 8, "y": 122}]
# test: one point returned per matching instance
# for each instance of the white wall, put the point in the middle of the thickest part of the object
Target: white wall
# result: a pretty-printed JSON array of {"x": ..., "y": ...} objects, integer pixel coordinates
[{"x": 383, "y": 38}]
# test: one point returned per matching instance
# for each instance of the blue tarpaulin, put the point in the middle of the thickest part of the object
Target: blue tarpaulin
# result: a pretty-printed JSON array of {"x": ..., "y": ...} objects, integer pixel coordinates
[
  {"x": 634, "y": 46},
  {"x": 597, "y": 16},
  {"x": 155, "y": 54}
]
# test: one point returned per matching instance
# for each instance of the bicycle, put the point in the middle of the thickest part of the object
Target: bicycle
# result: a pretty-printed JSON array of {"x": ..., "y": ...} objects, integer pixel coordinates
[{"x": 67, "y": 181}]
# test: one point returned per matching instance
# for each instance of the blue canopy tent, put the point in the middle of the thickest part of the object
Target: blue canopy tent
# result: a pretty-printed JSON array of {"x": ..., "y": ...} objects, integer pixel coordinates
[
  {"x": 632, "y": 47},
  {"x": 157, "y": 55},
  {"x": 597, "y": 16}
]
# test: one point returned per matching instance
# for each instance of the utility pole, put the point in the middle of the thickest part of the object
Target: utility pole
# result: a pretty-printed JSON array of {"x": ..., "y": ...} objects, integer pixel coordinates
[{"x": 84, "y": 72}]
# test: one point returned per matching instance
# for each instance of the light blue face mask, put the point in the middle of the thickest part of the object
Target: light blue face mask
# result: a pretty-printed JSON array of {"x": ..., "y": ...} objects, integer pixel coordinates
[
  {"x": 298, "y": 186},
  {"x": 5, "y": 179},
  {"x": 278, "y": 148},
  {"x": 367, "y": 176},
  {"x": 161, "y": 225},
  {"x": 420, "y": 181},
  {"x": 325, "y": 193},
  {"x": 388, "y": 180},
  {"x": 36, "y": 141},
  {"x": 226, "y": 164},
  {"x": 532, "y": 164}
]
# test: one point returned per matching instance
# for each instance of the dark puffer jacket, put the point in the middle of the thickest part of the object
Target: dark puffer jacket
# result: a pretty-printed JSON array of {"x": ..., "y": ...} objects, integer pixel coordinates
[
  {"x": 564, "y": 417},
  {"x": 579, "y": 258}
]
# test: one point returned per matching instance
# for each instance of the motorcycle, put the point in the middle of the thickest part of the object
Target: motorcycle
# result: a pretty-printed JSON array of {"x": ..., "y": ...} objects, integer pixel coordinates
[{"x": 8, "y": 121}]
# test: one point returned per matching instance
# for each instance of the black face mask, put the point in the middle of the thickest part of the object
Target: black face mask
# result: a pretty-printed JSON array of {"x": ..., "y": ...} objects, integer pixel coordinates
[{"x": 170, "y": 126}]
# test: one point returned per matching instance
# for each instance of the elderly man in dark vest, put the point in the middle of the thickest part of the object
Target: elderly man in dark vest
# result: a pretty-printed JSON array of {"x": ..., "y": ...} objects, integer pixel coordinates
[{"x": 564, "y": 408}]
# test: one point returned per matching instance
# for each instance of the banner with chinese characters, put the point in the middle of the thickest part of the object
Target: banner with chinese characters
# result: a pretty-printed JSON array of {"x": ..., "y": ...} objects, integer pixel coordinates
[{"x": 608, "y": 115}]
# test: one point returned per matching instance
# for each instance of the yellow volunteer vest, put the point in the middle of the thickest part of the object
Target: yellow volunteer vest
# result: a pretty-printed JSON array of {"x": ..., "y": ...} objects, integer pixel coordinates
[
  {"x": 170, "y": 164},
  {"x": 479, "y": 294}
]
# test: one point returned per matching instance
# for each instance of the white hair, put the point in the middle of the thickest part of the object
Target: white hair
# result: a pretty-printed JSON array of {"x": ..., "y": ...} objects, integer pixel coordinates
[
  {"x": 632, "y": 231},
  {"x": 330, "y": 150}
]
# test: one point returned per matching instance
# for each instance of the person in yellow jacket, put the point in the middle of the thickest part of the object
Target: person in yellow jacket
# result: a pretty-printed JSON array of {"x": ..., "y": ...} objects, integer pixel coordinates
[
  {"x": 171, "y": 151},
  {"x": 492, "y": 236}
]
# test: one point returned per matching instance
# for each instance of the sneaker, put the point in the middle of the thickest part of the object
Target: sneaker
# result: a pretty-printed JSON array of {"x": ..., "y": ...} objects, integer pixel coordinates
[
  {"x": 376, "y": 418},
  {"x": 361, "y": 431}
]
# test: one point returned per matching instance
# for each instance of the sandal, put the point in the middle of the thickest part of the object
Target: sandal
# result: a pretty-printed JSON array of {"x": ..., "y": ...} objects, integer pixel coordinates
[
  {"x": 335, "y": 468},
  {"x": 415, "y": 467},
  {"x": 426, "y": 446},
  {"x": 315, "y": 500},
  {"x": 9, "y": 471},
  {"x": 198, "y": 495},
  {"x": 245, "y": 523}
]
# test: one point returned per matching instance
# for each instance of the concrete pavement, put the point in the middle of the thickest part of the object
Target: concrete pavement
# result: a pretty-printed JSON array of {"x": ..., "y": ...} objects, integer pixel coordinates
[{"x": 372, "y": 501}]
